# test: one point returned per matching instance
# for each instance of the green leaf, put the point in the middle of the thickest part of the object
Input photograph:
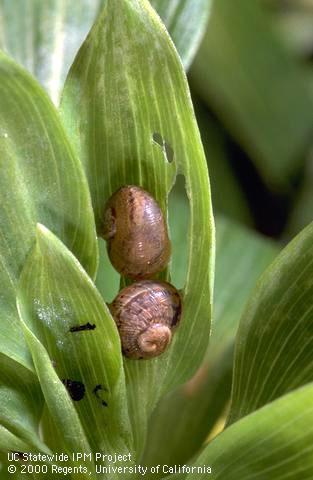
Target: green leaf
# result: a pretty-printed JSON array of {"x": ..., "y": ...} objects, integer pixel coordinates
[
  {"x": 276, "y": 442},
  {"x": 183, "y": 419},
  {"x": 260, "y": 91},
  {"x": 59, "y": 403},
  {"x": 20, "y": 403},
  {"x": 275, "y": 340},
  {"x": 185, "y": 20},
  {"x": 44, "y": 36},
  {"x": 56, "y": 297},
  {"x": 10, "y": 442},
  {"x": 41, "y": 180},
  {"x": 126, "y": 95}
]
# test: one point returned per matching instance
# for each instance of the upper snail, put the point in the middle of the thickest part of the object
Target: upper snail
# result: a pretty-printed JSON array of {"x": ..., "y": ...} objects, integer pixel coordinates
[{"x": 136, "y": 233}]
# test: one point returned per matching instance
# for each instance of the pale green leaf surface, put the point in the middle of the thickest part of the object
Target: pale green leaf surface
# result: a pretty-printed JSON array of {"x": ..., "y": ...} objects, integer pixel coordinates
[
  {"x": 275, "y": 443},
  {"x": 50, "y": 432},
  {"x": 184, "y": 418},
  {"x": 55, "y": 294},
  {"x": 260, "y": 91},
  {"x": 20, "y": 402},
  {"x": 40, "y": 180},
  {"x": 58, "y": 401},
  {"x": 185, "y": 20},
  {"x": 10, "y": 442},
  {"x": 274, "y": 345},
  {"x": 115, "y": 99},
  {"x": 45, "y": 35}
]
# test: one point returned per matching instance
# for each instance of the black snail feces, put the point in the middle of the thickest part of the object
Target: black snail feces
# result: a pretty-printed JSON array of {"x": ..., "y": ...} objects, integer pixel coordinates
[
  {"x": 146, "y": 314},
  {"x": 148, "y": 311}
]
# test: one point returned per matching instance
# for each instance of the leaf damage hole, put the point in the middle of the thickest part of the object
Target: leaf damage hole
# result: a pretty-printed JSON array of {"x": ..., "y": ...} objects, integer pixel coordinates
[
  {"x": 97, "y": 391},
  {"x": 75, "y": 389},
  {"x": 167, "y": 150},
  {"x": 81, "y": 328},
  {"x": 157, "y": 138},
  {"x": 179, "y": 223}
]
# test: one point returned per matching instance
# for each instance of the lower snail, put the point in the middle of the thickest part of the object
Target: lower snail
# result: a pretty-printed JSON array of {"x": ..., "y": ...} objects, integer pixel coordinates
[
  {"x": 136, "y": 233},
  {"x": 146, "y": 314}
]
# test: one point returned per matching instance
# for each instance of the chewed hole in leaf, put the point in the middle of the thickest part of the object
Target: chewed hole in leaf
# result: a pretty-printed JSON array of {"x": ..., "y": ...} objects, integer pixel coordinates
[
  {"x": 75, "y": 389},
  {"x": 108, "y": 279},
  {"x": 157, "y": 138},
  {"x": 178, "y": 205},
  {"x": 167, "y": 150}
]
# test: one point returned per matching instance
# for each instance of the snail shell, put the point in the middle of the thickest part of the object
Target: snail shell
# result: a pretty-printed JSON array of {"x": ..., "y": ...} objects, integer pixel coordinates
[
  {"x": 136, "y": 233},
  {"x": 146, "y": 314}
]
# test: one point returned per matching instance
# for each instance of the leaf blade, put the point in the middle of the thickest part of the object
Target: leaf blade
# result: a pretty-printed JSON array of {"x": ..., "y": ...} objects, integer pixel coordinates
[
  {"x": 275, "y": 331},
  {"x": 34, "y": 152},
  {"x": 115, "y": 126},
  {"x": 45, "y": 36},
  {"x": 185, "y": 21},
  {"x": 175, "y": 432},
  {"x": 274, "y": 442},
  {"x": 55, "y": 299}
]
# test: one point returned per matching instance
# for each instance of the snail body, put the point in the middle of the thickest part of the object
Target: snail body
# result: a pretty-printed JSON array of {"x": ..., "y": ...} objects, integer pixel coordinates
[
  {"x": 146, "y": 314},
  {"x": 136, "y": 233}
]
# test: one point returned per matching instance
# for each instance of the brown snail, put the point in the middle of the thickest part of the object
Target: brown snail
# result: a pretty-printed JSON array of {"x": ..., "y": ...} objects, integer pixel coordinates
[
  {"x": 136, "y": 233},
  {"x": 146, "y": 313}
]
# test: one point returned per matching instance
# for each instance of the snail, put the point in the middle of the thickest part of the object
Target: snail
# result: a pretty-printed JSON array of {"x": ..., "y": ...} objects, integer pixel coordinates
[
  {"x": 136, "y": 233},
  {"x": 146, "y": 314}
]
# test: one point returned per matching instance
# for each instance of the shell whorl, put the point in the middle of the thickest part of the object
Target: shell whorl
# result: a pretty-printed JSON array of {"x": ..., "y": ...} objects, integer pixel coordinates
[{"x": 146, "y": 313}]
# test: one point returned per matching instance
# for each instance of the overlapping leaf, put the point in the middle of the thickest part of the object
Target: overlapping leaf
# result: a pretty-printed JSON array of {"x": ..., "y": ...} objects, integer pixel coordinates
[
  {"x": 61, "y": 308},
  {"x": 275, "y": 443},
  {"x": 21, "y": 405},
  {"x": 41, "y": 180},
  {"x": 185, "y": 20},
  {"x": 59, "y": 403},
  {"x": 183, "y": 419},
  {"x": 45, "y": 36},
  {"x": 274, "y": 348},
  {"x": 126, "y": 105}
]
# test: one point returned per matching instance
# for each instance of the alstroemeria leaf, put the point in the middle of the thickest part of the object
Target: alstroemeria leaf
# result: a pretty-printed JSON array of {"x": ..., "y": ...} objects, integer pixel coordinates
[
  {"x": 20, "y": 403},
  {"x": 62, "y": 309},
  {"x": 11, "y": 443},
  {"x": 127, "y": 106},
  {"x": 276, "y": 443},
  {"x": 44, "y": 36},
  {"x": 183, "y": 420},
  {"x": 274, "y": 345},
  {"x": 41, "y": 180},
  {"x": 57, "y": 398},
  {"x": 185, "y": 20}
]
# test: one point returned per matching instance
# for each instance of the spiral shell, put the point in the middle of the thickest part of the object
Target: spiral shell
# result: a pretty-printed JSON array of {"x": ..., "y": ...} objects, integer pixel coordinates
[
  {"x": 146, "y": 313},
  {"x": 136, "y": 233}
]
